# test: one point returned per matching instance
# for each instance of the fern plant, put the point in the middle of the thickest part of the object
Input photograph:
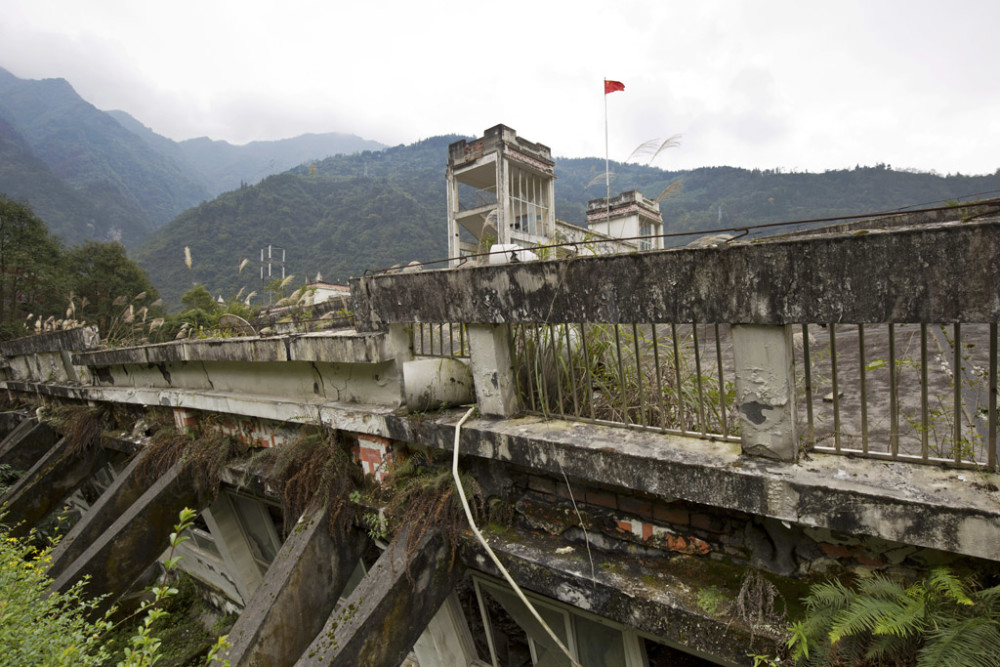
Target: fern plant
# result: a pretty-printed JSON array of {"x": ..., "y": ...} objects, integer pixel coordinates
[{"x": 940, "y": 620}]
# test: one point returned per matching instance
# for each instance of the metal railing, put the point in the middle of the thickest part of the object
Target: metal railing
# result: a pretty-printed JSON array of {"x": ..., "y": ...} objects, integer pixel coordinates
[
  {"x": 913, "y": 392},
  {"x": 670, "y": 378},
  {"x": 430, "y": 339},
  {"x": 887, "y": 391}
]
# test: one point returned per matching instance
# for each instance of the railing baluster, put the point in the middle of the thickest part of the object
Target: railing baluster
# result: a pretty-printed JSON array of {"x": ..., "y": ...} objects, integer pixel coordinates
[
  {"x": 807, "y": 365},
  {"x": 864, "y": 389},
  {"x": 924, "y": 415},
  {"x": 572, "y": 369},
  {"x": 638, "y": 374},
  {"x": 679, "y": 394},
  {"x": 893, "y": 395},
  {"x": 555, "y": 369},
  {"x": 697, "y": 370},
  {"x": 589, "y": 384},
  {"x": 956, "y": 377},
  {"x": 722, "y": 383},
  {"x": 621, "y": 374},
  {"x": 836, "y": 389},
  {"x": 991, "y": 440},
  {"x": 659, "y": 380}
]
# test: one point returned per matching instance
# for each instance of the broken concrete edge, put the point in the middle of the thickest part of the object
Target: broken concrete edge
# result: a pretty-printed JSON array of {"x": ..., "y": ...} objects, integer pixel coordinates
[
  {"x": 605, "y": 591},
  {"x": 929, "y": 506},
  {"x": 906, "y": 275},
  {"x": 331, "y": 347},
  {"x": 82, "y": 338}
]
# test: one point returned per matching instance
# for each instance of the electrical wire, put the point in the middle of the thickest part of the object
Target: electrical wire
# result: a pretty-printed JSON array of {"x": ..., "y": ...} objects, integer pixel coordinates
[
  {"x": 745, "y": 229},
  {"x": 489, "y": 551}
]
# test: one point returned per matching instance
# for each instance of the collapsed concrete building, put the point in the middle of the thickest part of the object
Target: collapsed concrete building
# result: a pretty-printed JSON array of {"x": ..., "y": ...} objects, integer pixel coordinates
[{"x": 655, "y": 433}]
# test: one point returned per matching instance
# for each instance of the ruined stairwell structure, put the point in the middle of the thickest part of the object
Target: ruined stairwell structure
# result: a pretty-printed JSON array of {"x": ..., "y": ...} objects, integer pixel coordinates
[{"x": 654, "y": 425}]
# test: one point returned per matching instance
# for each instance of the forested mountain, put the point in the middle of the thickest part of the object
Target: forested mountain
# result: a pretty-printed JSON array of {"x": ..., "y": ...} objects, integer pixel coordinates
[
  {"x": 102, "y": 175},
  {"x": 371, "y": 210},
  {"x": 336, "y": 217},
  {"x": 133, "y": 187}
]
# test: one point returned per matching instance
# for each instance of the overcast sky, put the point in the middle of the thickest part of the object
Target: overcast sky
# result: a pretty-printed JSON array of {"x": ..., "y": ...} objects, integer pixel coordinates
[{"x": 795, "y": 84}]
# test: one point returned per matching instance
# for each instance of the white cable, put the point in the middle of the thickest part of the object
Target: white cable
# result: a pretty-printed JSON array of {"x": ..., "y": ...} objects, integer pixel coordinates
[{"x": 493, "y": 556}]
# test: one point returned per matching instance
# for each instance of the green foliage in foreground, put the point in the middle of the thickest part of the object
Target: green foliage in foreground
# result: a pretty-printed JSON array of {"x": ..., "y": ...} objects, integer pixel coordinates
[
  {"x": 36, "y": 629},
  {"x": 55, "y": 630},
  {"x": 942, "y": 620}
]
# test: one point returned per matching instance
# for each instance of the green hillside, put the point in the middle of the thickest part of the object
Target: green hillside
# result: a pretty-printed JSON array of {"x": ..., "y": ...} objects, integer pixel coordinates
[
  {"x": 349, "y": 213},
  {"x": 346, "y": 214}
]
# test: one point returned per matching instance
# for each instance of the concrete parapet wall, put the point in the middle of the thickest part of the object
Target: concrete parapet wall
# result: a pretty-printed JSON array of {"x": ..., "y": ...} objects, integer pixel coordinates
[{"x": 937, "y": 273}]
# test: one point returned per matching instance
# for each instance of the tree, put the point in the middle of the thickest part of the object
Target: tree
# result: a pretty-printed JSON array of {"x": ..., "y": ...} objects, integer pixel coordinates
[
  {"x": 29, "y": 257},
  {"x": 106, "y": 284}
]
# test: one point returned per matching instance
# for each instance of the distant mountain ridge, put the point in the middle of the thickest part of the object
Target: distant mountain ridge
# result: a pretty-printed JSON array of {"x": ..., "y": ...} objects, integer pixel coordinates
[
  {"x": 225, "y": 166},
  {"x": 103, "y": 175}
]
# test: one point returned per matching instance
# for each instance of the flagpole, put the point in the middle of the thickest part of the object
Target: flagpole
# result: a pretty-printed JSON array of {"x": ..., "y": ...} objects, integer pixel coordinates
[{"x": 607, "y": 163}]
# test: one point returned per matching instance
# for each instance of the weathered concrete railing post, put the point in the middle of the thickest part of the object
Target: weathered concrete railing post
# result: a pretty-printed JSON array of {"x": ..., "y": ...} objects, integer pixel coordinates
[
  {"x": 493, "y": 370},
  {"x": 765, "y": 390}
]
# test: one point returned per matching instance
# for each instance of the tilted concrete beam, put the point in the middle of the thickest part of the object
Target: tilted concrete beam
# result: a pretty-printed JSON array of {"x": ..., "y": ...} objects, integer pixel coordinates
[
  {"x": 56, "y": 475},
  {"x": 113, "y": 503},
  {"x": 385, "y": 615},
  {"x": 22, "y": 448},
  {"x": 297, "y": 595},
  {"x": 908, "y": 275},
  {"x": 134, "y": 541}
]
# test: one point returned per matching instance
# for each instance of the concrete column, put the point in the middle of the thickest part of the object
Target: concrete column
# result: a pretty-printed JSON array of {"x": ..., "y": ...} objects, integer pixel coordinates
[
  {"x": 765, "y": 391},
  {"x": 297, "y": 595},
  {"x": 22, "y": 448},
  {"x": 135, "y": 540},
  {"x": 451, "y": 198},
  {"x": 43, "y": 488},
  {"x": 493, "y": 370},
  {"x": 231, "y": 540},
  {"x": 447, "y": 640},
  {"x": 385, "y": 615},
  {"x": 399, "y": 343}
]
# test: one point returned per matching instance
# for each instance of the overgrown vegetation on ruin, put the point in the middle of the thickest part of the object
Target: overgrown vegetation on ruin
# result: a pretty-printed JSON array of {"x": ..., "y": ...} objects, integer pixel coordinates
[
  {"x": 203, "y": 450},
  {"x": 664, "y": 377}
]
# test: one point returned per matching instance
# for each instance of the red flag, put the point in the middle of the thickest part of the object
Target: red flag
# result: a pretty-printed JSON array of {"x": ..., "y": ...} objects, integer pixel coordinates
[{"x": 612, "y": 86}]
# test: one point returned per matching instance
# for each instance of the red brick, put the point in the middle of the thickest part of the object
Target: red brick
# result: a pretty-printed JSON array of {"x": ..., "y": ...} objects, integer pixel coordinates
[
  {"x": 579, "y": 493},
  {"x": 602, "y": 498},
  {"x": 671, "y": 515},
  {"x": 637, "y": 506},
  {"x": 373, "y": 439},
  {"x": 702, "y": 521},
  {"x": 625, "y": 527},
  {"x": 647, "y": 531},
  {"x": 542, "y": 484}
]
